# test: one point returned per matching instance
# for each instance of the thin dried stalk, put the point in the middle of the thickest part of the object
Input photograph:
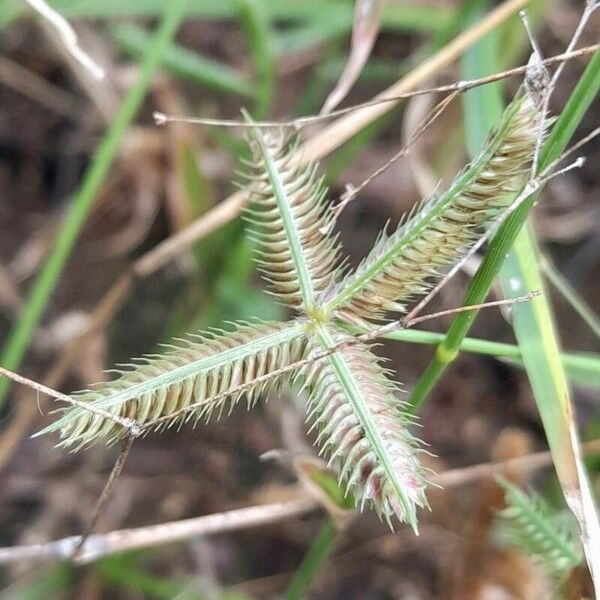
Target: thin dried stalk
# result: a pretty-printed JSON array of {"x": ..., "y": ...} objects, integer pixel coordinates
[
  {"x": 100, "y": 545},
  {"x": 332, "y": 136}
]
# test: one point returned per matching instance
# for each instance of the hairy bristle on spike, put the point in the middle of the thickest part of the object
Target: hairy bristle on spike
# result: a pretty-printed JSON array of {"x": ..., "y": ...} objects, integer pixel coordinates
[
  {"x": 187, "y": 374},
  {"x": 405, "y": 263},
  {"x": 362, "y": 429},
  {"x": 290, "y": 222}
]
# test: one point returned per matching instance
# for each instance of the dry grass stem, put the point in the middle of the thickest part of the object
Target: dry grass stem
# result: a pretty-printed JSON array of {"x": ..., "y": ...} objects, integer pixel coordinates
[
  {"x": 33, "y": 86},
  {"x": 105, "y": 495},
  {"x": 425, "y": 123},
  {"x": 67, "y": 36},
  {"x": 464, "y": 85},
  {"x": 331, "y": 137},
  {"x": 100, "y": 545},
  {"x": 128, "y": 424}
]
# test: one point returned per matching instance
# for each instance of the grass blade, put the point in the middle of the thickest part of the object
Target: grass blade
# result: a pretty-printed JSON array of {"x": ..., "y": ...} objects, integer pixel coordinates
[
  {"x": 408, "y": 17},
  {"x": 533, "y": 324},
  {"x": 483, "y": 105},
  {"x": 184, "y": 63},
  {"x": 314, "y": 560},
  {"x": 18, "y": 341},
  {"x": 51, "y": 583},
  {"x": 256, "y": 23},
  {"x": 308, "y": 36},
  {"x": 534, "y": 328},
  {"x": 581, "y": 368}
]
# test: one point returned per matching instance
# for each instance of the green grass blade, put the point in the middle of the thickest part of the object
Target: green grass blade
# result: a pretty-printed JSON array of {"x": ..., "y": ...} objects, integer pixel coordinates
[
  {"x": 54, "y": 582},
  {"x": 256, "y": 23},
  {"x": 416, "y": 17},
  {"x": 311, "y": 34},
  {"x": 122, "y": 571},
  {"x": 18, "y": 341},
  {"x": 184, "y": 63},
  {"x": 571, "y": 115},
  {"x": 581, "y": 368},
  {"x": 533, "y": 324},
  {"x": 537, "y": 339},
  {"x": 483, "y": 105},
  {"x": 534, "y": 328},
  {"x": 408, "y": 17},
  {"x": 314, "y": 560}
]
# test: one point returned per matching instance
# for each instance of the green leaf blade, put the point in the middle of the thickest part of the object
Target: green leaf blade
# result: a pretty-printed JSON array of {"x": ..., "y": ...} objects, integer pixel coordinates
[{"x": 185, "y": 63}]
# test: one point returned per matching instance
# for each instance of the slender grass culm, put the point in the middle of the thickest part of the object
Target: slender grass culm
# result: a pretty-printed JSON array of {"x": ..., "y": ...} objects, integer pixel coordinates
[{"x": 352, "y": 401}]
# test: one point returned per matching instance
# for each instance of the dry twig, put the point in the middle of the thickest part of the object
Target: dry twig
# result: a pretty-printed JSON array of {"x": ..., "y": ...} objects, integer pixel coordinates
[
  {"x": 67, "y": 36},
  {"x": 99, "y": 545}
]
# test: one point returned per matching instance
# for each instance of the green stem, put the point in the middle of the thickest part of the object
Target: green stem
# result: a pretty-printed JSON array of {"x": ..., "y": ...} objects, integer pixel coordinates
[
  {"x": 474, "y": 102},
  {"x": 256, "y": 24},
  {"x": 18, "y": 341},
  {"x": 184, "y": 63},
  {"x": 570, "y": 360},
  {"x": 315, "y": 558},
  {"x": 579, "y": 102}
]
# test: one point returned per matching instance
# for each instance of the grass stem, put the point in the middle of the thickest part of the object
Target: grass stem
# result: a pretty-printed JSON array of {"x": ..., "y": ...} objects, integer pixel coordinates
[{"x": 16, "y": 346}]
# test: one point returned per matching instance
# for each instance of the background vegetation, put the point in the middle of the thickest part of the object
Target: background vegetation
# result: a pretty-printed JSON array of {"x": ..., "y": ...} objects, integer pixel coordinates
[{"x": 91, "y": 188}]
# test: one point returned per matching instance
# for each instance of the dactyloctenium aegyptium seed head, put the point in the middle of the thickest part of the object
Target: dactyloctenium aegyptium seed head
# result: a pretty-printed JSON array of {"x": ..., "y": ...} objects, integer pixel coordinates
[{"x": 353, "y": 404}]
